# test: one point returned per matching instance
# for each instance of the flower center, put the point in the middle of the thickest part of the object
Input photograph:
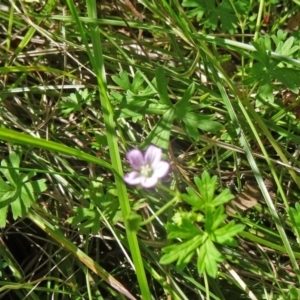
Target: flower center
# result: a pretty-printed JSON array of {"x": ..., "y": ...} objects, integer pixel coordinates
[{"x": 146, "y": 171}]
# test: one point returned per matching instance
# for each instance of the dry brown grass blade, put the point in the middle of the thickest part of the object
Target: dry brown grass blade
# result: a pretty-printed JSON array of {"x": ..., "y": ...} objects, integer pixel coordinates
[
  {"x": 248, "y": 198},
  {"x": 293, "y": 22},
  {"x": 58, "y": 236}
]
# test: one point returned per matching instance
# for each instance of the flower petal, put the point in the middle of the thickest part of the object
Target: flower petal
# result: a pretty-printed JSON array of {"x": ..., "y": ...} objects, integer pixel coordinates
[
  {"x": 161, "y": 169},
  {"x": 153, "y": 155},
  {"x": 148, "y": 182},
  {"x": 133, "y": 178},
  {"x": 136, "y": 158}
]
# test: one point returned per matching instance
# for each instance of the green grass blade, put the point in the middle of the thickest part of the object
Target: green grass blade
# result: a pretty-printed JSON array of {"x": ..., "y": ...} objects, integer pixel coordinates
[
  {"x": 250, "y": 157},
  {"x": 97, "y": 62},
  {"x": 58, "y": 236},
  {"x": 49, "y": 5},
  {"x": 25, "y": 139}
]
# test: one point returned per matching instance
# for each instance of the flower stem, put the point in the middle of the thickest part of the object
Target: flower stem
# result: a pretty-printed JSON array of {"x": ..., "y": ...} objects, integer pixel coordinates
[{"x": 161, "y": 210}]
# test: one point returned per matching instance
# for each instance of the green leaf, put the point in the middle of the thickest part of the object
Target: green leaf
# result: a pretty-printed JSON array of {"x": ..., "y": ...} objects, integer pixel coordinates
[
  {"x": 293, "y": 293},
  {"x": 227, "y": 16},
  {"x": 218, "y": 218},
  {"x": 286, "y": 48},
  {"x": 224, "y": 197},
  {"x": 225, "y": 234},
  {"x": 261, "y": 73},
  {"x": 27, "y": 176},
  {"x": 261, "y": 53},
  {"x": 26, "y": 194},
  {"x": 198, "y": 3},
  {"x": 117, "y": 97},
  {"x": 191, "y": 130},
  {"x": 180, "y": 216},
  {"x": 265, "y": 89},
  {"x": 193, "y": 199},
  {"x": 208, "y": 259},
  {"x": 4, "y": 190},
  {"x": 85, "y": 219},
  {"x": 10, "y": 168},
  {"x": 122, "y": 81},
  {"x": 38, "y": 186},
  {"x": 205, "y": 197},
  {"x": 134, "y": 220},
  {"x": 7, "y": 195},
  {"x": 71, "y": 104},
  {"x": 160, "y": 134},
  {"x": 296, "y": 214},
  {"x": 183, "y": 260},
  {"x": 156, "y": 109},
  {"x": 210, "y": 14},
  {"x": 182, "y": 104},
  {"x": 74, "y": 102},
  {"x": 18, "y": 208},
  {"x": 3, "y": 214},
  {"x": 138, "y": 80},
  {"x": 203, "y": 122},
  {"x": 182, "y": 250},
  {"x": 185, "y": 231},
  {"x": 279, "y": 37},
  {"x": 289, "y": 77},
  {"x": 161, "y": 84},
  {"x": 20, "y": 190},
  {"x": 242, "y": 6},
  {"x": 206, "y": 186},
  {"x": 141, "y": 106},
  {"x": 210, "y": 126}
]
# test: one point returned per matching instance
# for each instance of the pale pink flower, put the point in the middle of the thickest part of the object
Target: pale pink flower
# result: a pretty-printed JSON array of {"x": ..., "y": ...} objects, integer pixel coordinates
[{"x": 147, "y": 168}]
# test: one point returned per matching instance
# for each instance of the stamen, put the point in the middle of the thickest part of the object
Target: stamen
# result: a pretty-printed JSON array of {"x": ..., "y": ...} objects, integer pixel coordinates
[{"x": 146, "y": 171}]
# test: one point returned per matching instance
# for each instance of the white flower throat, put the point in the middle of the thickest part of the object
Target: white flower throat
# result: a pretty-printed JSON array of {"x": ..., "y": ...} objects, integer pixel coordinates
[{"x": 146, "y": 171}]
